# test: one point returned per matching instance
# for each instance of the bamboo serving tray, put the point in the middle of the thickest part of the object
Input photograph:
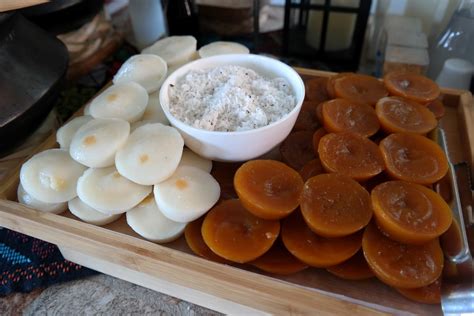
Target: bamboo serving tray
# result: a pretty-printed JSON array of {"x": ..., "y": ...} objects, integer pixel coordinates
[{"x": 171, "y": 268}]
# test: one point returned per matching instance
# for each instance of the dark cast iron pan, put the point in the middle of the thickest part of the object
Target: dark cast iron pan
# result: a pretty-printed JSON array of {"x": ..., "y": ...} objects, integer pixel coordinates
[
  {"x": 62, "y": 16},
  {"x": 33, "y": 64}
]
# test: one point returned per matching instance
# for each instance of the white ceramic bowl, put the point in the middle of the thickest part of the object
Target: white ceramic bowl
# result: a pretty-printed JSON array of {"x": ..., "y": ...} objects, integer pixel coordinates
[{"x": 240, "y": 145}]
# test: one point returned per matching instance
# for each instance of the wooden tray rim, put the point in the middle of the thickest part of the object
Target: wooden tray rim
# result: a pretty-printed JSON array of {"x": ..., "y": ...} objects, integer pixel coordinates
[{"x": 241, "y": 286}]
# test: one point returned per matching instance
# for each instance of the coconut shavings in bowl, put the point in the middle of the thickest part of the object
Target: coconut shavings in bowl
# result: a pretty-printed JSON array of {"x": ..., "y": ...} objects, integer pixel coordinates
[{"x": 229, "y": 98}]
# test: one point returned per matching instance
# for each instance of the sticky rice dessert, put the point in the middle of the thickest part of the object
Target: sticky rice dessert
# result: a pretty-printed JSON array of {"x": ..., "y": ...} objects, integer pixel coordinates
[
  {"x": 89, "y": 215},
  {"x": 96, "y": 142},
  {"x": 151, "y": 154},
  {"x": 51, "y": 176},
  {"x": 175, "y": 50},
  {"x": 138, "y": 124},
  {"x": 187, "y": 194},
  {"x": 126, "y": 101},
  {"x": 222, "y": 48},
  {"x": 105, "y": 190},
  {"x": 189, "y": 158},
  {"x": 147, "y": 220},
  {"x": 147, "y": 70},
  {"x": 65, "y": 134},
  {"x": 154, "y": 111},
  {"x": 28, "y": 200}
]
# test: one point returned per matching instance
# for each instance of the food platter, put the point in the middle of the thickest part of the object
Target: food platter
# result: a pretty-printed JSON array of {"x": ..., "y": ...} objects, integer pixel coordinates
[{"x": 172, "y": 269}]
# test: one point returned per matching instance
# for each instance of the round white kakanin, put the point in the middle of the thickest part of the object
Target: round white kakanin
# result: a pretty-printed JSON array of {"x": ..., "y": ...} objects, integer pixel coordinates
[
  {"x": 138, "y": 124},
  {"x": 126, "y": 101},
  {"x": 89, "y": 215},
  {"x": 105, "y": 190},
  {"x": 27, "y": 199},
  {"x": 222, "y": 48},
  {"x": 147, "y": 70},
  {"x": 189, "y": 158},
  {"x": 66, "y": 132},
  {"x": 151, "y": 154},
  {"x": 96, "y": 142},
  {"x": 188, "y": 194},
  {"x": 172, "y": 69},
  {"x": 51, "y": 176},
  {"x": 147, "y": 220},
  {"x": 175, "y": 50},
  {"x": 154, "y": 111}
]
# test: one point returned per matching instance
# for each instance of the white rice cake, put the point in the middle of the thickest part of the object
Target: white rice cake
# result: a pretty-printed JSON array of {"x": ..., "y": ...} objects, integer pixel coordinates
[
  {"x": 96, "y": 142},
  {"x": 151, "y": 154},
  {"x": 28, "y": 200},
  {"x": 51, "y": 176},
  {"x": 148, "y": 70},
  {"x": 222, "y": 48},
  {"x": 147, "y": 220},
  {"x": 89, "y": 215},
  {"x": 190, "y": 158},
  {"x": 105, "y": 190},
  {"x": 66, "y": 132},
  {"x": 126, "y": 101},
  {"x": 175, "y": 50},
  {"x": 188, "y": 194}
]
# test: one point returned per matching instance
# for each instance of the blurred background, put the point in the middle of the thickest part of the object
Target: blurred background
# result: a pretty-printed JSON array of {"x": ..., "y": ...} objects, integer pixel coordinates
[
  {"x": 57, "y": 54},
  {"x": 339, "y": 35},
  {"x": 370, "y": 36}
]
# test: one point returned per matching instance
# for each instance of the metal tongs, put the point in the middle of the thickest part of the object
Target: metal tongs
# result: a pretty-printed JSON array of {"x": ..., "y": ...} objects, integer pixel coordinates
[{"x": 457, "y": 289}]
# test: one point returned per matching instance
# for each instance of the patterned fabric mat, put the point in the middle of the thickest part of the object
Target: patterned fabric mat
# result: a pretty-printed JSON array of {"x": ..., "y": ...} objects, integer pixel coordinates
[{"x": 27, "y": 263}]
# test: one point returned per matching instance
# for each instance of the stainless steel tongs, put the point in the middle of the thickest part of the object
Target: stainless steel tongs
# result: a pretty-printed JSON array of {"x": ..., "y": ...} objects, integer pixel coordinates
[{"x": 457, "y": 289}]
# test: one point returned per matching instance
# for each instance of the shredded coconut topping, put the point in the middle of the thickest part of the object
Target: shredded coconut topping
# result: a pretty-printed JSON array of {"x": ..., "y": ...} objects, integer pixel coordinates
[{"x": 229, "y": 98}]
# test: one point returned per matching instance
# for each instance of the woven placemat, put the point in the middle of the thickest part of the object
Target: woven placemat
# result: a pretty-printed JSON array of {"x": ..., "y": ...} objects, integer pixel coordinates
[{"x": 27, "y": 263}]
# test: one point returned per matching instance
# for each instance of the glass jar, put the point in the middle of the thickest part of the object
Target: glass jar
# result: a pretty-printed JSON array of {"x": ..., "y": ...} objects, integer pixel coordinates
[{"x": 457, "y": 40}]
